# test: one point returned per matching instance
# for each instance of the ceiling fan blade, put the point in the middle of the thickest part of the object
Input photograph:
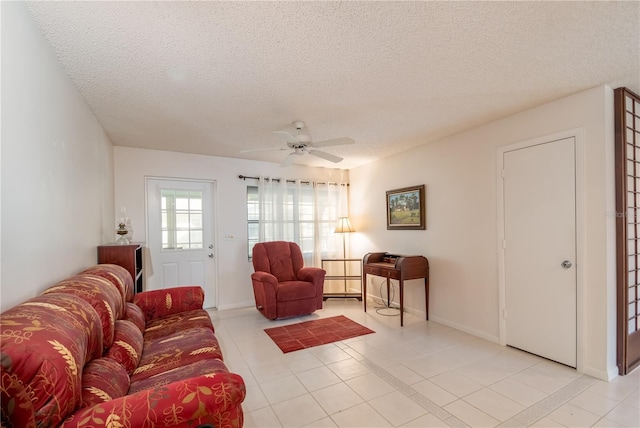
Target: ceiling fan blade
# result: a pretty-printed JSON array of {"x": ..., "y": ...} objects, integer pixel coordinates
[
  {"x": 289, "y": 159},
  {"x": 334, "y": 142},
  {"x": 289, "y": 138},
  {"x": 325, "y": 155}
]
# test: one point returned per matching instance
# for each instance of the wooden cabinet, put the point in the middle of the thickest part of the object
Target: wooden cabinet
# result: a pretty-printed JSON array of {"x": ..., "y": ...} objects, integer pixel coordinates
[{"x": 129, "y": 256}]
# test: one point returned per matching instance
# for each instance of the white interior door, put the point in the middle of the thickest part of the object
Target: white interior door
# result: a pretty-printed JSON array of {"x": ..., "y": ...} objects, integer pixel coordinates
[
  {"x": 539, "y": 190},
  {"x": 180, "y": 236}
]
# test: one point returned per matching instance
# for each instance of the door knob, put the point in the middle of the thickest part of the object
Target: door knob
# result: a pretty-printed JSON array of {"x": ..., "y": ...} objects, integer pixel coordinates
[
  {"x": 210, "y": 255},
  {"x": 566, "y": 264}
]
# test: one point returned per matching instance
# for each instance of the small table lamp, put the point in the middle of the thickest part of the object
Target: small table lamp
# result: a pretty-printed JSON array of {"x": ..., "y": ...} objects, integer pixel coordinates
[{"x": 344, "y": 226}]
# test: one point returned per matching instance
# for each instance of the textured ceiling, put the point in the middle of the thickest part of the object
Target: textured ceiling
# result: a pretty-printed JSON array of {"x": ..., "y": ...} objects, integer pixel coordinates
[{"x": 218, "y": 77}]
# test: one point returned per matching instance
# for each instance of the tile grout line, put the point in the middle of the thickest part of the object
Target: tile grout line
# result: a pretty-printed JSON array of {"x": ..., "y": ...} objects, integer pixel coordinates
[
  {"x": 524, "y": 418},
  {"x": 414, "y": 395},
  {"x": 552, "y": 402}
]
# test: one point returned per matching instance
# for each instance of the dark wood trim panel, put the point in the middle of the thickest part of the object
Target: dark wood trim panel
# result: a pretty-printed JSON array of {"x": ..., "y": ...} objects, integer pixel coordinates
[{"x": 627, "y": 181}]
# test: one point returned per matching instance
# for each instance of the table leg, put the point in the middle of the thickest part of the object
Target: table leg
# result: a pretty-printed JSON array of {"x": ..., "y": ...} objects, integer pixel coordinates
[
  {"x": 426, "y": 296},
  {"x": 401, "y": 282},
  {"x": 388, "y": 292},
  {"x": 364, "y": 290}
]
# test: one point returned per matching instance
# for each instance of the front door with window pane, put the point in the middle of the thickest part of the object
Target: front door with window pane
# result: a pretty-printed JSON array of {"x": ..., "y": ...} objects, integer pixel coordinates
[{"x": 180, "y": 236}]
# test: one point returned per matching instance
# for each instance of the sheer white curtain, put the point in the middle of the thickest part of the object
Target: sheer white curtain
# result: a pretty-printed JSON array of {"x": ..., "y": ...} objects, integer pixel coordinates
[
  {"x": 272, "y": 210},
  {"x": 302, "y": 212}
]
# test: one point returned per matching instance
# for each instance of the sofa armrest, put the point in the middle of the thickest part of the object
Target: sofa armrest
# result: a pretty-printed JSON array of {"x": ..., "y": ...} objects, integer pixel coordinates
[
  {"x": 316, "y": 277},
  {"x": 312, "y": 274},
  {"x": 265, "y": 278},
  {"x": 213, "y": 398},
  {"x": 264, "y": 290},
  {"x": 169, "y": 301}
]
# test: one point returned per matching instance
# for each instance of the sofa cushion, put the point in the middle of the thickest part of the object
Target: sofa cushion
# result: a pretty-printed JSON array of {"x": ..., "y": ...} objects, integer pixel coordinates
[
  {"x": 127, "y": 345},
  {"x": 17, "y": 408},
  {"x": 133, "y": 313},
  {"x": 156, "y": 304},
  {"x": 46, "y": 342},
  {"x": 103, "y": 380},
  {"x": 172, "y": 324},
  {"x": 179, "y": 349},
  {"x": 275, "y": 258},
  {"x": 101, "y": 294},
  {"x": 119, "y": 276},
  {"x": 294, "y": 290},
  {"x": 197, "y": 368},
  {"x": 203, "y": 401}
]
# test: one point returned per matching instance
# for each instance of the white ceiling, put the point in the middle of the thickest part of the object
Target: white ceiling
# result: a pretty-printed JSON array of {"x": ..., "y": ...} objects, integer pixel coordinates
[{"x": 217, "y": 78}]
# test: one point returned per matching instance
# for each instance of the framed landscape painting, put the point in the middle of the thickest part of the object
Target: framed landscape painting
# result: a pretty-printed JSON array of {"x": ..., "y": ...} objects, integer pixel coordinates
[{"x": 405, "y": 208}]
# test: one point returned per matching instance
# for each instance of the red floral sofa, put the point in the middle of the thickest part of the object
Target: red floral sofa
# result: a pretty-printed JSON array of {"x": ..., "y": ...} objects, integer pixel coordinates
[{"x": 88, "y": 352}]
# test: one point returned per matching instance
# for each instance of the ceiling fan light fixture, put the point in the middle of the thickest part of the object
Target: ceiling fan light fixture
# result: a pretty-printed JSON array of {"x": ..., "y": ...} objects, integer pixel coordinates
[
  {"x": 302, "y": 143},
  {"x": 303, "y": 138}
]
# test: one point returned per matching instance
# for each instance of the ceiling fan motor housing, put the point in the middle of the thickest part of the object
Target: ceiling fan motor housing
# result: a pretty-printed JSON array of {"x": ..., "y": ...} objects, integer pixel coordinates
[
  {"x": 297, "y": 146},
  {"x": 302, "y": 138}
]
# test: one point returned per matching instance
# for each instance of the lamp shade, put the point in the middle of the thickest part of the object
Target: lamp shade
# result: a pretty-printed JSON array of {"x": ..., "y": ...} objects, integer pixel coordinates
[{"x": 344, "y": 225}]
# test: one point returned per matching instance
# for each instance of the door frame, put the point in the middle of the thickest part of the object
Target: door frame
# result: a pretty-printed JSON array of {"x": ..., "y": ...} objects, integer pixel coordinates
[
  {"x": 214, "y": 222},
  {"x": 578, "y": 136}
]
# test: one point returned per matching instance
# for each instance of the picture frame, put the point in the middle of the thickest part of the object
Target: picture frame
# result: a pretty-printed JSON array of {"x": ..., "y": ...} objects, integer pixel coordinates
[{"x": 406, "y": 208}]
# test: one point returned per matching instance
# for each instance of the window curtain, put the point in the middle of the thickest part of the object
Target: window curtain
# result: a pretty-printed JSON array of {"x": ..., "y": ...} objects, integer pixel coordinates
[{"x": 302, "y": 212}]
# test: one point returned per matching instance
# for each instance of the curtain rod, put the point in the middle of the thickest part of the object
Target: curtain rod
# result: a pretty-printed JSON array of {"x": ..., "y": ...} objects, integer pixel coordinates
[{"x": 277, "y": 180}]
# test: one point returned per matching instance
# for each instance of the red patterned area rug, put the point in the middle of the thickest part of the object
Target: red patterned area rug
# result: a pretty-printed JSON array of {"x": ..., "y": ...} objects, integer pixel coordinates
[{"x": 307, "y": 334}]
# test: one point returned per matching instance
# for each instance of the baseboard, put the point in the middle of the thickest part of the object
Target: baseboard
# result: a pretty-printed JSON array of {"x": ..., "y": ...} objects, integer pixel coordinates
[
  {"x": 472, "y": 331},
  {"x": 247, "y": 304},
  {"x": 466, "y": 329},
  {"x": 605, "y": 375}
]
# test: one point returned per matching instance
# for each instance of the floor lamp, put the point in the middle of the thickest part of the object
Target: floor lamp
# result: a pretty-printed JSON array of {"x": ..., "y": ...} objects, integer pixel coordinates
[{"x": 344, "y": 227}]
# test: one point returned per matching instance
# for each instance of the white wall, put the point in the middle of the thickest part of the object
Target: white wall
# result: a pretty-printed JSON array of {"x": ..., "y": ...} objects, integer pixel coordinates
[
  {"x": 57, "y": 166},
  {"x": 461, "y": 237},
  {"x": 132, "y": 166}
]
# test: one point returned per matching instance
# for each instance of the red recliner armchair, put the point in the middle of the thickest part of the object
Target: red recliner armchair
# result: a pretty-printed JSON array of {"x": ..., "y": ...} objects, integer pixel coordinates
[{"x": 282, "y": 286}]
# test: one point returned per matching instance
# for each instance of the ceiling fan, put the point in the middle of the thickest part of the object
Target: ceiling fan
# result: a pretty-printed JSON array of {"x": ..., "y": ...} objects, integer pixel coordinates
[{"x": 300, "y": 142}]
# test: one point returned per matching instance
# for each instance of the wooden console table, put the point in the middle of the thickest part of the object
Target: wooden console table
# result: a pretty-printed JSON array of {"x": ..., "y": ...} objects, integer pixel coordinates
[{"x": 391, "y": 266}]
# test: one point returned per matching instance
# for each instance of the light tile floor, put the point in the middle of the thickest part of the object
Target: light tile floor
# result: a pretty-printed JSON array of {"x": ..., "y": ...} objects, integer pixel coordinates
[{"x": 424, "y": 374}]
